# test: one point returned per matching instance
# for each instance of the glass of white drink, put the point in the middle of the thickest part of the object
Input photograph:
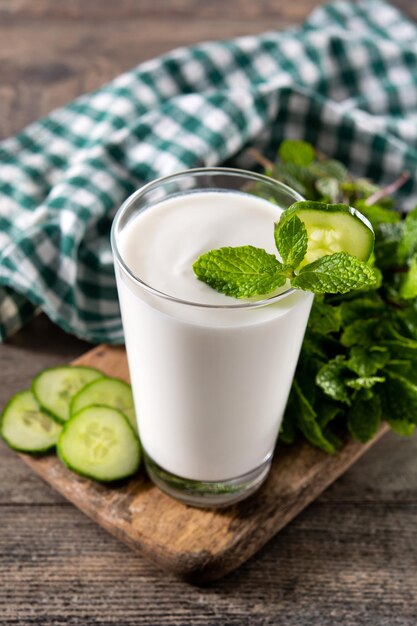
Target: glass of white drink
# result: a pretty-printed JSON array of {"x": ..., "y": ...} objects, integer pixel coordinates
[{"x": 210, "y": 374}]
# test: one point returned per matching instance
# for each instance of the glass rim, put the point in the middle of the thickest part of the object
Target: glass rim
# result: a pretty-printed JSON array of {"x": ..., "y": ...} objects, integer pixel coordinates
[{"x": 228, "y": 171}]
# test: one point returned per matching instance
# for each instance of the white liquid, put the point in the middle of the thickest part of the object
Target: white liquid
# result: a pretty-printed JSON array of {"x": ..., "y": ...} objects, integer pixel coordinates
[{"x": 210, "y": 385}]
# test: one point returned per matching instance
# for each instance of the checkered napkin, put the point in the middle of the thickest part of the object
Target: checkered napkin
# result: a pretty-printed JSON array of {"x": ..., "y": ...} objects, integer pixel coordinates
[{"x": 346, "y": 81}]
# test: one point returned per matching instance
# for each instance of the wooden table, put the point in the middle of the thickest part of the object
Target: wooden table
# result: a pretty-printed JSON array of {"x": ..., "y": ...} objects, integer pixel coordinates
[{"x": 350, "y": 559}]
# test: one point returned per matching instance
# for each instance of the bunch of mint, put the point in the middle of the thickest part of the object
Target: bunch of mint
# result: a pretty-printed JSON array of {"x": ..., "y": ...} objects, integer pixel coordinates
[{"x": 358, "y": 363}]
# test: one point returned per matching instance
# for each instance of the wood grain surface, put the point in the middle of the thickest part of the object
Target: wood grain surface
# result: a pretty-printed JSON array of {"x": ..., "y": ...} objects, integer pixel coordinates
[
  {"x": 197, "y": 545},
  {"x": 350, "y": 558}
]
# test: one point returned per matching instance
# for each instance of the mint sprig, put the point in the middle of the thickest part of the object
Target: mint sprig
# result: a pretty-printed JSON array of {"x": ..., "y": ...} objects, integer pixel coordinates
[
  {"x": 246, "y": 271},
  {"x": 334, "y": 273},
  {"x": 240, "y": 272},
  {"x": 358, "y": 362},
  {"x": 291, "y": 241}
]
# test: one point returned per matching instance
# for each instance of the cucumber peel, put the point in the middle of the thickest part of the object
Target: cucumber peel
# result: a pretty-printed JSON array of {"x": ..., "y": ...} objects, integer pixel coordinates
[
  {"x": 25, "y": 427},
  {"x": 108, "y": 391},
  {"x": 99, "y": 442},
  {"x": 331, "y": 228},
  {"x": 55, "y": 387}
]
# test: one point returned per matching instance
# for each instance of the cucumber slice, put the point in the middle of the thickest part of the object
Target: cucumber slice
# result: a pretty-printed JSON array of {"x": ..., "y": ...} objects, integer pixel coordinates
[
  {"x": 107, "y": 391},
  {"x": 55, "y": 387},
  {"x": 25, "y": 427},
  {"x": 99, "y": 442},
  {"x": 332, "y": 228}
]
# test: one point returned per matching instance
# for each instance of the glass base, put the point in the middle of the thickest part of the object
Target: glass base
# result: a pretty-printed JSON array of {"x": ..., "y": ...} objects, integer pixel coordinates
[{"x": 207, "y": 494}]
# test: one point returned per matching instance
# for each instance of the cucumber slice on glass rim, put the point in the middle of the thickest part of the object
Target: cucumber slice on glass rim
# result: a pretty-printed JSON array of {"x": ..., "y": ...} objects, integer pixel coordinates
[
  {"x": 25, "y": 427},
  {"x": 99, "y": 442},
  {"x": 106, "y": 391},
  {"x": 332, "y": 228},
  {"x": 55, "y": 387}
]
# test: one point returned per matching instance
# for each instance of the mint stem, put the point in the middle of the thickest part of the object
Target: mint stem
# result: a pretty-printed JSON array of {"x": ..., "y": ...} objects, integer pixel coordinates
[{"x": 388, "y": 190}]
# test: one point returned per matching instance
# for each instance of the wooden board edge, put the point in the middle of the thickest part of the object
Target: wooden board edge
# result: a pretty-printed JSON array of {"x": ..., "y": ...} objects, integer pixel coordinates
[{"x": 223, "y": 564}]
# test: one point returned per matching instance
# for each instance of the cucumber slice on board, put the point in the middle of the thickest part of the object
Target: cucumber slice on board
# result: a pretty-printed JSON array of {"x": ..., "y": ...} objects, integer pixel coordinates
[
  {"x": 55, "y": 387},
  {"x": 25, "y": 427},
  {"x": 99, "y": 442},
  {"x": 107, "y": 391},
  {"x": 332, "y": 228}
]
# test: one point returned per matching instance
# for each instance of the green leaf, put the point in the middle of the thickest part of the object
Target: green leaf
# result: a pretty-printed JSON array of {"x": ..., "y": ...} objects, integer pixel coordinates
[
  {"x": 334, "y": 273},
  {"x": 408, "y": 244},
  {"x": 288, "y": 430},
  {"x": 366, "y": 362},
  {"x": 377, "y": 214},
  {"x": 306, "y": 419},
  {"x": 315, "y": 345},
  {"x": 359, "y": 188},
  {"x": 331, "y": 378},
  {"x": 328, "y": 411},
  {"x": 398, "y": 399},
  {"x": 293, "y": 176},
  {"x": 364, "y": 418},
  {"x": 325, "y": 318},
  {"x": 407, "y": 317},
  {"x": 405, "y": 368},
  {"x": 329, "y": 169},
  {"x": 387, "y": 240},
  {"x": 408, "y": 287},
  {"x": 401, "y": 349},
  {"x": 329, "y": 188},
  {"x": 360, "y": 332},
  {"x": 240, "y": 272},
  {"x": 291, "y": 241},
  {"x": 364, "y": 382},
  {"x": 297, "y": 152},
  {"x": 362, "y": 308},
  {"x": 402, "y": 427}
]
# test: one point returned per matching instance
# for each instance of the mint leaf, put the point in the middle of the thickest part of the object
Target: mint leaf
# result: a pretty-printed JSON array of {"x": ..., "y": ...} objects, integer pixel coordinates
[
  {"x": 332, "y": 379},
  {"x": 301, "y": 411},
  {"x": 314, "y": 345},
  {"x": 329, "y": 188},
  {"x": 364, "y": 382},
  {"x": 360, "y": 332},
  {"x": 408, "y": 244},
  {"x": 401, "y": 349},
  {"x": 297, "y": 152},
  {"x": 240, "y": 272},
  {"x": 334, "y": 273},
  {"x": 377, "y": 214},
  {"x": 364, "y": 418},
  {"x": 288, "y": 430},
  {"x": 328, "y": 412},
  {"x": 388, "y": 238},
  {"x": 295, "y": 177},
  {"x": 329, "y": 169},
  {"x": 362, "y": 308},
  {"x": 291, "y": 241},
  {"x": 405, "y": 368},
  {"x": 359, "y": 188},
  {"x": 402, "y": 427},
  {"x": 325, "y": 318},
  {"x": 366, "y": 362},
  {"x": 399, "y": 399},
  {"x": 408, "y": 287}
]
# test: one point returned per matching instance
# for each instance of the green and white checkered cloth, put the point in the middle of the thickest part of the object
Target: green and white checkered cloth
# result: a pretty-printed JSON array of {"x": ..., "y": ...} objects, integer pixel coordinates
[{"x": 346, "y": 81}]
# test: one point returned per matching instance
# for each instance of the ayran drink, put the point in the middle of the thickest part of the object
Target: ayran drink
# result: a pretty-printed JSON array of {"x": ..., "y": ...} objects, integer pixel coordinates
[{"x": 210, "y": 374}]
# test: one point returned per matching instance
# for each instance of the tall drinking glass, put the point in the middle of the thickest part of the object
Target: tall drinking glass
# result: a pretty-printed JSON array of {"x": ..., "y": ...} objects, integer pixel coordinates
[{"x": 210, "y": 381}]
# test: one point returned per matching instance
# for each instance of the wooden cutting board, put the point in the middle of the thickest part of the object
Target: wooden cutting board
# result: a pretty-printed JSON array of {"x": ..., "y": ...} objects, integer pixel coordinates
[{"x": 195, "y": 544}]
